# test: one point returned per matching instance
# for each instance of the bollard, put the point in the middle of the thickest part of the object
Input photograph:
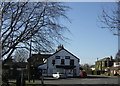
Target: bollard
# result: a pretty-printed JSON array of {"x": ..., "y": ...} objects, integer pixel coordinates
[
  {"x": 23, "y": 82},
  {"x": 18, "y": 81},
  {"x": 42, "y": 81}
]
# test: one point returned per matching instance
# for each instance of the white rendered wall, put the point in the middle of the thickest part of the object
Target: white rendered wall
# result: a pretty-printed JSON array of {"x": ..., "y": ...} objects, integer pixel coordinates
[
  {"x": 62, "y": 54},
  {"x": 115, "y": 64}
]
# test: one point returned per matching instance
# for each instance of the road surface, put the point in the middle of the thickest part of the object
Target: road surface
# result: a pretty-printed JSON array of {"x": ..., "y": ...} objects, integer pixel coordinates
[{"x": 88, "y": 80}]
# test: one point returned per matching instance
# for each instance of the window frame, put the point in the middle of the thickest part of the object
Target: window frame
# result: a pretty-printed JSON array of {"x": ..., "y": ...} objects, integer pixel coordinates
[
  {"x": 67, "y": 57},
  {"x": 53, "y": 61},
  {"x": 62, "y": 61},
  {"x": 72, "y": 63},
  {"x": 57, "y": 57}
]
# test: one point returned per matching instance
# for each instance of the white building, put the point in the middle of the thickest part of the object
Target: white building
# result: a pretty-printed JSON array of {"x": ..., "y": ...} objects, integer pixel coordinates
[
  {"x": 115, "y": 69},
  {"x": 64, "y": 62},
  {"x": 116, "y": 64}
]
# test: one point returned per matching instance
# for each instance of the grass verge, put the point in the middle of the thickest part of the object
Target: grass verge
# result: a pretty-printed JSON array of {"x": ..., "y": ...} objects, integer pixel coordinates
[{"x": 26, "y": 84}]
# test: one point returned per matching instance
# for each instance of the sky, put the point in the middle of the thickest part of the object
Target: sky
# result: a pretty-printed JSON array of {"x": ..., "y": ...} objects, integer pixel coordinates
[{"x": 87, "y": 40}]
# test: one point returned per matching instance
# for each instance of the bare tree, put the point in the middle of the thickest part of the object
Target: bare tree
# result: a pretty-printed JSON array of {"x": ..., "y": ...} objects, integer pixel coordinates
[
  {"x": 111, "y": 19},
  {"x": 86, "y": 67},
  {"x": 22, "y": 21},
  {"x": 20, "y": 55}
]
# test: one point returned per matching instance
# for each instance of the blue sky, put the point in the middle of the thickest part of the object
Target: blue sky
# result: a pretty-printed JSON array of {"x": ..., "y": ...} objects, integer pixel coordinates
[{"x": 87, "y": 40}]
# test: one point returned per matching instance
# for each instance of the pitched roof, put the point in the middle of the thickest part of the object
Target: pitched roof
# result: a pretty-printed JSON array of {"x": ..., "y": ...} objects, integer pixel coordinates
[
  {"x": 38, "y": 59},
  {"x": 117, "y": 60},
  {"x": 66, "y": 51},
  {"x": 104, "y": 59},
  {"x": 39, "y": 56}
]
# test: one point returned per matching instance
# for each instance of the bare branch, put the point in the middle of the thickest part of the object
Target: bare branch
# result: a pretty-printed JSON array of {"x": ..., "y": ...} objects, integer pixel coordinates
[
  {"x": 22, "y": 21},
  {"x": 110, "y": 20}
]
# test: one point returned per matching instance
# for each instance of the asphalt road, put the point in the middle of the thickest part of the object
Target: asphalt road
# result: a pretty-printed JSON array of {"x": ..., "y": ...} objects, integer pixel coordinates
[
  {"x": 76, "y": 81},
  {"x": 89, "y": 81}
]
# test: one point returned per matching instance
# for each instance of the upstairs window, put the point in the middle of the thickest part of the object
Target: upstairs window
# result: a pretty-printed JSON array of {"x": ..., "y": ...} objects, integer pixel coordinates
[
  {"x": 72, "y": 62},
  {"x": 67, "y": 57},
  {"x": 57, "y": 57},
  {"x": 117, "y": 63},
  {"x": 62, "y": 62},
  {"x": 105, "y": 63},
  {"x": 53, "y": 62}
]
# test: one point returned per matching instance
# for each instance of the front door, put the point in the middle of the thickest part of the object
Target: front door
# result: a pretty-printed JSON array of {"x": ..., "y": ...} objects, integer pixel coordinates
[{"x": 74, "y": 72}]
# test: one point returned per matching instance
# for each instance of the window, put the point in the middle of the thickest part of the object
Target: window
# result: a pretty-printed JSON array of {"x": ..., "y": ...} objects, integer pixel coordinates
[
  {"x": 110, "y": 63},
  {"x": 57, "y": 57},
  {"x": 53, "y": 62},
  {"x": 105, "y": 63},
  {"x": 72, "y": 62},
  {"x": 70, "y": 71},
  {"x": 62, "y": 61},
  {"x": 44, "y": 71},
  {"x": 67, "y": 57},
  {"x": 117, "y": 63},
  {"x": 37, "y": 58}
]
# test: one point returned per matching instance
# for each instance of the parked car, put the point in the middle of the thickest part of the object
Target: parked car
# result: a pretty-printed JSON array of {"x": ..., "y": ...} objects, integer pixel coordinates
[
  {"x": 58, "y": 75},
  {"x": 83, "y": 74}
]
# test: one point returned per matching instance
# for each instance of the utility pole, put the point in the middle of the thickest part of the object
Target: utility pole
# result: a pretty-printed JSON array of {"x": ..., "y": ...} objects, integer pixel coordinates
[
  {"x": 118, "y": 35},
  {"x": 29, "y": 65},
  {"x": 118, "y": 26},
  {"x": 97, "y": 66}
]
